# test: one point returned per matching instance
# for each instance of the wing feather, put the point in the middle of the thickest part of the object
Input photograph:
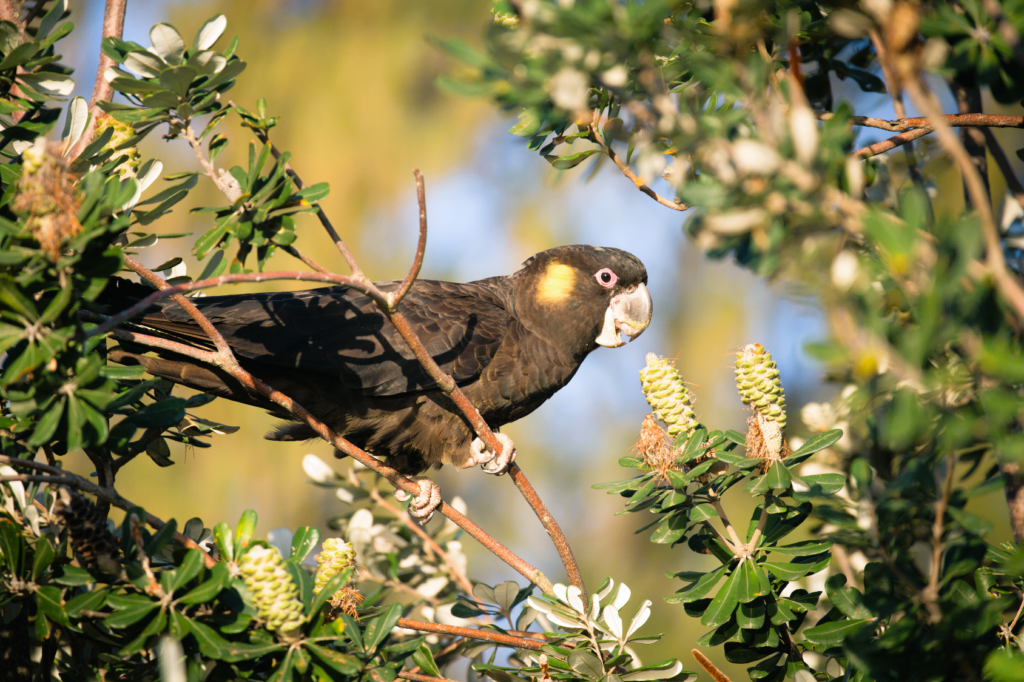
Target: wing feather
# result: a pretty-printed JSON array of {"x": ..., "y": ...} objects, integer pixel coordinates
[{"x": 338, "y": 331}]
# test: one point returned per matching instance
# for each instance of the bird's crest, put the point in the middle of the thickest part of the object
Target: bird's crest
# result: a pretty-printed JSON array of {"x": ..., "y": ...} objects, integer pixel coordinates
[{"x": 557, "y": 283}]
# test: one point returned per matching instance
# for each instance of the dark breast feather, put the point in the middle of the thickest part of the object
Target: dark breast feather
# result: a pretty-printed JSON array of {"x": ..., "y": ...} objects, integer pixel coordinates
[{"x": 339, "y": 332}]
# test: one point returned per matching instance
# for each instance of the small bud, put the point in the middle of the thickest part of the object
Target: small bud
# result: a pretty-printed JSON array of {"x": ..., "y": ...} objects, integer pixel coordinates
[
  {"x": 671, "y": 401},
  {"x": 273, "y": 591}
]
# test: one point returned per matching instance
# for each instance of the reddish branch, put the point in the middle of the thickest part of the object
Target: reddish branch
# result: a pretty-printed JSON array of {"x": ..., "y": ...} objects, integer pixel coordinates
[
  {"x": 596, "y": 137},
  {"x": 58, "y": 476},
  {"x": 113, "y": 27},
  {"x": 496, "y": 637},
  {"x": 893, "y": 142},
  {"x": 952, "y": 120},
  {"x": 416, "y": 677}
]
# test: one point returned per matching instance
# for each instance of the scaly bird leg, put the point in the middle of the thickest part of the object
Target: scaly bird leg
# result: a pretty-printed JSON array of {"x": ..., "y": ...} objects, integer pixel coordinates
[
  {"x": 423, "y": 505},
  {"x": 496, "y": 464}
]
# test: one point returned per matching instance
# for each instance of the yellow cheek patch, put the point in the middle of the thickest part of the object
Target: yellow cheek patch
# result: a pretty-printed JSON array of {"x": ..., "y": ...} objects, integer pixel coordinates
[{"x": 556, "y": 284}]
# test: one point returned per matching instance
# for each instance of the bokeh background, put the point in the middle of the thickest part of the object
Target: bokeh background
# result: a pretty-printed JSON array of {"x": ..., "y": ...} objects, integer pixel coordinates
[{"x": 352, "y": 85}]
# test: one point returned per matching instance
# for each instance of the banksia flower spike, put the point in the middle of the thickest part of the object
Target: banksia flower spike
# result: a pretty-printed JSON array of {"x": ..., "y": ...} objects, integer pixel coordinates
[
  {"x": 274, "y": 592},
  {"x": 336, "y": 556},
  {"x": 671, "y": 401},
  {"x": 757, "y": 380},
  {"x": 46, "y": 198},
  {"x": 93, "y": 543},
  {"x": 122, "y": 132}
]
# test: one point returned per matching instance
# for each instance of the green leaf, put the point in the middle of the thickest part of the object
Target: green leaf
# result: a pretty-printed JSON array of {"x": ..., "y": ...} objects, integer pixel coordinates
[
  {"x": 224, "y": 538},
  {"x": 571, "y": 161},
  {"x": 805, "y": 548},
  {"x": 425, "y": 660},
  {"x": 972, "y": 523},
  {"x": 586, "y": 664},
  {"x": 817, "y": 442},
  {"x": 12, "y": 545},
  {"x": 210, "y": 32},
  {"x": 44, "y": 556},
  {"x": 87, "y": 601},
  {"x": 378, "y": 629},
  {"x": 788, "y": 572},
  {"x": 49, "y": 600},
  {"x": 167, "y": 42},
  {"x": 847, "y": 600},
  {"x": 724, "y": 604},
  {"x": 749, "y": 585},
  {"x": 243, "y": 532},
  {"x": 833, "y": 634},
  {"x": 129, "y": 615},
  {"x": 736, "y": 437},
  {"x": 342, "y": 663},
  {"x": 204, "y": 592},
  {"x": 73, "y": 576},
  {"x": 777, "y": 477},
  {"x": 178, "y": 79},
  {"x": 190, "y": 567},
  {"x": 211, "y": 644},
  {"x": 698, "y": 589},
  {"x": 303, "y": 543}
]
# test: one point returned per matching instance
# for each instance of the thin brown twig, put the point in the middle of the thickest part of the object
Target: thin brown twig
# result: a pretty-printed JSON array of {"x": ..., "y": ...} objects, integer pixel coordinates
[
  {"x": 892, "y": 142},
  {"x": 497, "y": 638},
  {"x": 930, "y": 594},
  {"x": 62, "y": 477},
  {"x": 1005, "y": 281},
  {"x": 457, "y": 575},
  {"x": 395, "y": 297},
  {"x": 102, "y": 91},
  {"x": 596, "y": 137},
  {"x": 891, "y": 83},
  {"x": 1012, "y": 181}
]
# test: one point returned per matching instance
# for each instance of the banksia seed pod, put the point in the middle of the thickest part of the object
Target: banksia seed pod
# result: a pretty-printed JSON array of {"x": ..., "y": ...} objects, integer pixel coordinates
[
  {"x": 671, "y": 401},
  {"x": 757, "y": 379},
  {"x": 129, "y": 156},
  {"x": 273, "y": 590},
  {"x": 46, "y": 198},
  {"x": 93, "y": 543},
  {"x": 336, "y": 556}
]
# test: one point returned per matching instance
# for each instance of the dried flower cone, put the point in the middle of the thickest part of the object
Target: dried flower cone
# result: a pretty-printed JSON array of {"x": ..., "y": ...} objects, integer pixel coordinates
[
  {"x": 274, "y": 592},
  {"x": 764, "y": 440},
  {"x": 94, "y": 545},
  {"x": 337, "y": 555},
  {"x": 671, "y": 401},
  {"x": 347, "y": 601},
  {"x": 655, "y": 448},
  {"x": 46, "y": 198}
]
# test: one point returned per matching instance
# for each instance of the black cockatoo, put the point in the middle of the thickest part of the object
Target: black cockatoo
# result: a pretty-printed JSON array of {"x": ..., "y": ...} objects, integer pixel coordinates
[{"x": 509, "y": 342}]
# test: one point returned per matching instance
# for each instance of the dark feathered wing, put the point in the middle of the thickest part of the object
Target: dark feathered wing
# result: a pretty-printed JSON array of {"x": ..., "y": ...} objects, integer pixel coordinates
[{"x": 339, "y": 332}]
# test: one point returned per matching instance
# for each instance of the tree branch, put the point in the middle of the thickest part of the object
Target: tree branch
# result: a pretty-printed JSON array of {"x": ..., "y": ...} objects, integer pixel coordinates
[
  {"x": 58, "y": 476},
  {"x": 640, "y": 185},
  {"x": 1005, "y": 281},
  {"x": 892, "y": 142},
  {"x": 497, "y": 638},
  {"x": 102, "y": 91},
  {"x": 953, "y": 120},
  {"x": 1012, "y": 181}
]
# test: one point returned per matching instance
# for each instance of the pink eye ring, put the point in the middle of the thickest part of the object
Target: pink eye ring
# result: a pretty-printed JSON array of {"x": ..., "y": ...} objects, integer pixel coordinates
[{"x": 606, "y": 278}]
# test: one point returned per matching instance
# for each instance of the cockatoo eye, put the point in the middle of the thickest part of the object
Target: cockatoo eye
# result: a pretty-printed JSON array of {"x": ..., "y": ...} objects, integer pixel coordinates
[{"x": 606, "y": 278}]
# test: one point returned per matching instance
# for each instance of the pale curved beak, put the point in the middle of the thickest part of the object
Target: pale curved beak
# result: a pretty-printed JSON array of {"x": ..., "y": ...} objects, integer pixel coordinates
[{"x": 628, "y": 313}]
